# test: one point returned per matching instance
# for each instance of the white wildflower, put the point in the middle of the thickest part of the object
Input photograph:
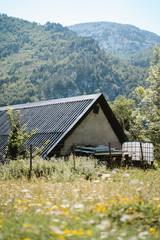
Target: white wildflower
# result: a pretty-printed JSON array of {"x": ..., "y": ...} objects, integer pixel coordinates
[
  {"x": 25, "y": 190},
  {"x": 139, "y": 189},
  {"x": 56, "y": 220},
  {"x": 104, "y": 235},
  {"x": 78, "y": 206},
  {"x": 123, "y": 234},
  {"x": 56, "y": 229},
  {"x": 104, "y": 225},
  {"x": 134, "y": 238},
  {"x": 28, "y": 195},
  {"x": 38, "y": 210},
  {"x": 142, "y": 235},
  {"x": 96, "y": 181},
  {"x": 131, "y": 182},
  {"x": 105, "y": 176},
  {"x": 89, "y": 222},
  {"x": 126, "y": 175},
  {"x": 125, "y": 218},
  {"x": 65, "y": 205}
]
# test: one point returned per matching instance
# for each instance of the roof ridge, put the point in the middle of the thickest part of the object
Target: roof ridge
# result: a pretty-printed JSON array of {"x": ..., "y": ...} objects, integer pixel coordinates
[{"x": 52, "y": 101}]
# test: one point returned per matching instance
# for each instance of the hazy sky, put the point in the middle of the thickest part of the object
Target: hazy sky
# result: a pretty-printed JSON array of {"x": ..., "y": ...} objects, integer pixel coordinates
[{"x": 144, "y": 14}]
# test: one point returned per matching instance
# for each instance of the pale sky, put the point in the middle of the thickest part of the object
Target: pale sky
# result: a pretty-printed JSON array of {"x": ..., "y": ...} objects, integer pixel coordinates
[{"x": 144, "y": 14}]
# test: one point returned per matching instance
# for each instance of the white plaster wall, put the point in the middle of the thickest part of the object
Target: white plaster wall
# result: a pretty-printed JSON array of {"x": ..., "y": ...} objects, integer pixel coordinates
[{"x": 94, "y": 130}]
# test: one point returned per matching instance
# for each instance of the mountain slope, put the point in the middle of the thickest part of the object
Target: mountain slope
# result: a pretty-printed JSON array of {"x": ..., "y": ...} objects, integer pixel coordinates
[
  {"x": 121, "y": 40},
  {"x": 40, "y": 62},
  {"x": 141, "y": 58}
]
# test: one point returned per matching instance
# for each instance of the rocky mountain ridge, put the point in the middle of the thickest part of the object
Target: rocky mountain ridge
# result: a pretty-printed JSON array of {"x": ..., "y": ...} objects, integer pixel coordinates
[{"x": 121, "y": 40}]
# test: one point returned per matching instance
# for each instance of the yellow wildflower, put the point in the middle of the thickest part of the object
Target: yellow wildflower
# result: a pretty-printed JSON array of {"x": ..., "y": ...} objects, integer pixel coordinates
[
  {"x": 10, "y": 108},
  {"x": 1, "y": 226},
  {"x": 74, "y": 232},
  {"x": 66, "y": 231},
  {"x": 16, "y": 207},
  {"x": 65, "y": 212},
  {"x": 81, "y": 229},
  {"x": 89, "y": 232},
  {"x": 152, "y": 230},
  {"x": 81, "y": 232},
  {"x": 61, "y": 237},
  {"x": 113, "y": 201},
  {"x": 26, "y": 225},
  {"x": 24, "y": 207},
  {"x": 104, "y": 210}
]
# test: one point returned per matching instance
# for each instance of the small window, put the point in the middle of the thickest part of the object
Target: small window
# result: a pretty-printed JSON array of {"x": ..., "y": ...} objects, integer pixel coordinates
[{"x": 96, "y": 110}]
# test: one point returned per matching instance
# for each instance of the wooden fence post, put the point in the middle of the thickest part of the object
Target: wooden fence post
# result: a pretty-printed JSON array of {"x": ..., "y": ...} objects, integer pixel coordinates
[
  {"x": 142, "y": 162},
  {"x": 74, "y": 157},
  {"x": 30, "y": 168},
  {"x": 122, "y": 160},
  {"x": 110, "y": 154}
]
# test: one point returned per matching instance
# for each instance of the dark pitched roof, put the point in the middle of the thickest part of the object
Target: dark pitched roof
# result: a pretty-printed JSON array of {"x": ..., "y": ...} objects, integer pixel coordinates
[{"x": 55, "y": 120}]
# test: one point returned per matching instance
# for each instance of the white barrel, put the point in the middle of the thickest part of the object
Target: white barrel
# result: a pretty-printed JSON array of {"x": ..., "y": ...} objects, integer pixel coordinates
[{"x": 134, "y": 150}]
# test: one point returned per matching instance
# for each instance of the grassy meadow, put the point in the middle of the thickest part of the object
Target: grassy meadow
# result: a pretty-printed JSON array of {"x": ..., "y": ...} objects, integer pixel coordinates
[{"x": 89, "y": 202}]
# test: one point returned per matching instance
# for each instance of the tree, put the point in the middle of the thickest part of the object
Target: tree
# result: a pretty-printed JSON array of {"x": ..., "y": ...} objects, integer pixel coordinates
[
  {"x": 17, "y": 137},
  {"x": 129, "y": 118},
  {"x": 149, "y": 102}
]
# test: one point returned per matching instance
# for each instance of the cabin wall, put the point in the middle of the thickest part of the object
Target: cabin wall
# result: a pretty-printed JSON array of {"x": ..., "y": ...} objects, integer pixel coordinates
[{"x": 93, "y": 130}]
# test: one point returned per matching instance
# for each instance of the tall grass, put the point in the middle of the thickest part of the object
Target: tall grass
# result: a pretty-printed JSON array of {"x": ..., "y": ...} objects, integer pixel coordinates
[
  {"x": 89, "y": 202},
  {"x": 55, "y": 169}
]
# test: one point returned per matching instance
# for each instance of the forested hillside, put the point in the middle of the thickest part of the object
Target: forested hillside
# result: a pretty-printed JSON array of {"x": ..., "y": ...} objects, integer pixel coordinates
[
  {"x": 141, "y": 58},
  {"x": 125, "y": 41},
  {"x": 40, "y": 62}
]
